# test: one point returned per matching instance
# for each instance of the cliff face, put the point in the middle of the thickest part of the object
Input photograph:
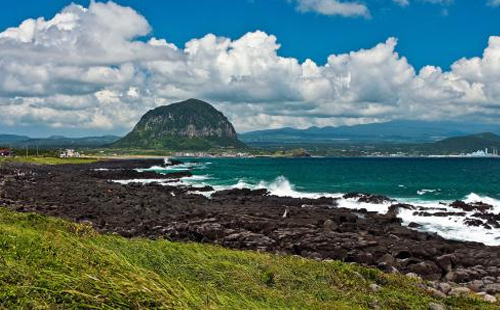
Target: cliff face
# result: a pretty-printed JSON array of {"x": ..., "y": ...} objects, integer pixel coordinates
[{"x": 188, "y": 125}]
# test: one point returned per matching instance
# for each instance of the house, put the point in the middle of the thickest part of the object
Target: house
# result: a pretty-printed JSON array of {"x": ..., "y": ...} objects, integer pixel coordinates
[
  {"x": 69, "y": 153},
  {"x": 6, "y": 152}
]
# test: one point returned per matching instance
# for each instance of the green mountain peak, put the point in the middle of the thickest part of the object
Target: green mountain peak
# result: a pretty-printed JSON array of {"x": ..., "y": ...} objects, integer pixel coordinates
[{"x": 187, "y": 125}]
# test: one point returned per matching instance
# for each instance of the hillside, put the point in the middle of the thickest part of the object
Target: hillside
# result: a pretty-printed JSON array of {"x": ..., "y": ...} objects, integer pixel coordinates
[
  {"x": 50, "y": 263},
  {"x": 401, "y": 131},
  {"x": 464, "y": 144},
  {"x": 56, "y": 141},
  {"x": 188, "y": 125}
]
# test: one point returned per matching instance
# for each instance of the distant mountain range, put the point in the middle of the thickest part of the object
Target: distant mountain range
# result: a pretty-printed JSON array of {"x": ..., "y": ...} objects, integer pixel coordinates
[
  {"x": 179, "y": 126},
  {"x": 16, "y": 141},
  {"x": 401, "y": 131}
]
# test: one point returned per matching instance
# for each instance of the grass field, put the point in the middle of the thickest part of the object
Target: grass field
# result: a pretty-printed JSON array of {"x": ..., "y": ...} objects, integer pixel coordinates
[
  {"x": 48, "y": 160},
  {"x": 48, "y": 263}
]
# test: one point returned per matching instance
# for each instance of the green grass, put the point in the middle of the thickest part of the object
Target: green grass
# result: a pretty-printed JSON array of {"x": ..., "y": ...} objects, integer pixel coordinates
[
  {"x": 51, "y": 263},
  {"x": 47, "y": 160}
]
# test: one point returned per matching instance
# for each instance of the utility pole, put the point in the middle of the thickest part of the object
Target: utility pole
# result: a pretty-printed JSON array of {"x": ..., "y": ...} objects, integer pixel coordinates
[
  {"x": 27, "y": 150},
  {"x": 37, "y": 150}
]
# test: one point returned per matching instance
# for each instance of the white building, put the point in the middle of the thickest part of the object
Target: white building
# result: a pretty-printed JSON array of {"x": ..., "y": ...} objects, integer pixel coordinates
[{"x": 69, "y": 153}]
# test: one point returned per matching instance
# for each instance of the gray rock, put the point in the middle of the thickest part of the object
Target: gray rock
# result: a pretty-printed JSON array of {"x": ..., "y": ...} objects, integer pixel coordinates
[
  {"x": 444, "y": 287},
  {"x": 388, "y": 259},
  {"x": 457, "y": 276},
  {"x": 459, "y": 291},
  {"x": 374, "y": 287},
  {"x": 446, "y": 262},
  {"x": 435, "y": 293},
  {"x": 492, "y": 288},
  {"x": 413, "y": 275},
  {"x": 475, "y": 285},
  {"x": 330, "y": 225},
  {"x": 435, "y": 306},
  {"x": 489, "y": 298}
]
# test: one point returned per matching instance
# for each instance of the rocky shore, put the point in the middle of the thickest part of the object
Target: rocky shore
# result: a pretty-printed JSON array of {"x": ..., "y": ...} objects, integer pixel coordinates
[{"x": 245, "y": 219}]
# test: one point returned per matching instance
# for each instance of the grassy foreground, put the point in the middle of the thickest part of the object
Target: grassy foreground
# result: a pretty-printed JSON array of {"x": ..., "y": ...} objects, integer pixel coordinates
[
  {"x": 52, "y": 263},
  {"x": 47, "y": 160}
]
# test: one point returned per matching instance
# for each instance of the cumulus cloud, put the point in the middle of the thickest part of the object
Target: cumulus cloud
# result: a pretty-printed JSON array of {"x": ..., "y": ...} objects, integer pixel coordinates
[
  {"x": 333, "y": 7},
  {"x": 443, "y": 2},
  {"x": 494, "y": 3},
  {"x": 402, "y": 2},
  {"x": 88, "y": 68}
]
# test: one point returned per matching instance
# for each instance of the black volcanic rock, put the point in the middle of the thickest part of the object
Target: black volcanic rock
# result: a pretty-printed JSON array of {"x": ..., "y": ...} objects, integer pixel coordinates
[{"x": 188, "y": 125}]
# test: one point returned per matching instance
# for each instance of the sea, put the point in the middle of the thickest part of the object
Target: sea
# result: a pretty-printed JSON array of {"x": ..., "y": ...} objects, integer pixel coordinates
[{"x": 432, "y": 183}]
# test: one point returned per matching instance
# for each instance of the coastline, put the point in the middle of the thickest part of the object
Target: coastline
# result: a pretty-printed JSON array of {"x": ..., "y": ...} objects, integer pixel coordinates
[{"x": 245, "y": 219}]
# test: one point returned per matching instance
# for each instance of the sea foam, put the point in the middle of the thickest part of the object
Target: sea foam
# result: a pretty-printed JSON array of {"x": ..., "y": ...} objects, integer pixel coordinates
[{"x": 449, "y": 227}]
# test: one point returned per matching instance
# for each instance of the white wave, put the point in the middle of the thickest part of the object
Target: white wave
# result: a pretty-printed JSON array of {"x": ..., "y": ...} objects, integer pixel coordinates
[
  {"x": 449, "y": 227},
  {"x": 352, "y": 203},
  {"x": 181, "y": 167},
  {"x": 473, "y": 197},
  {"x": 207, "y": 194},
  {"x": 452, "y": 227},
  {"x": 146, "y": 181},
  {"x": 426, "y": 191}
]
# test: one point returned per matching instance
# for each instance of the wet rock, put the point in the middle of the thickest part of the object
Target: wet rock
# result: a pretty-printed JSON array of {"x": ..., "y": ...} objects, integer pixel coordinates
[
  {"x": 414, "y": 225},
  {"x": 480, "y": 206},
  {"x": 368, "y": 198},
  {"x": 438, "y": 214}
]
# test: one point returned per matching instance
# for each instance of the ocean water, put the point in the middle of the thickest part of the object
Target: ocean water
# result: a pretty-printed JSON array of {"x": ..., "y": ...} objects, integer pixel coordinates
[{"x": 426, "y": 182}]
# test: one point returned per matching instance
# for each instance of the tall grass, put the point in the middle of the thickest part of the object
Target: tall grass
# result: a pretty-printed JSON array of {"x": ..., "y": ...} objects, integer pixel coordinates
[{"x": 48, "y": 263}]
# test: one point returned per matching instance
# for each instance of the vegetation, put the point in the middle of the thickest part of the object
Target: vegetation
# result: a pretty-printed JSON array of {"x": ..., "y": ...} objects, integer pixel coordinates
[
  {"x": 189, "y": 125},
  {"x": 47, "y": 160},
  {"x": 52, "y": 263}
]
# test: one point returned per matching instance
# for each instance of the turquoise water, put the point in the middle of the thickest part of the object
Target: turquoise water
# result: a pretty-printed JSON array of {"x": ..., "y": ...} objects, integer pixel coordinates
[
  {"x": 422, "y": 178},
  {"x": 430, "y": 183}
]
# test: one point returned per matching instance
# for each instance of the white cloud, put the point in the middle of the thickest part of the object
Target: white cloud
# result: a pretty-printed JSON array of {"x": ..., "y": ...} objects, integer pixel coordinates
[
  {"x": 402, "y": 2},
  {"x": 333, "y": 7},
  {"x": 493, "y": 3},
  {"x": 85, "y": 69},
  {"x": 443, "y": 2}
]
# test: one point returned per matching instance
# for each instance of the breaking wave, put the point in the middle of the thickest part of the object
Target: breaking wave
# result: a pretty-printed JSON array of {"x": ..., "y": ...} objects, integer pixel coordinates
[{"x": 449, "y": 227}]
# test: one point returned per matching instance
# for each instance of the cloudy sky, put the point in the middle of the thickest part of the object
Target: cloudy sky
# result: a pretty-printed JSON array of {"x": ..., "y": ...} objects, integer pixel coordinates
[{"x": 95, "y": 67}]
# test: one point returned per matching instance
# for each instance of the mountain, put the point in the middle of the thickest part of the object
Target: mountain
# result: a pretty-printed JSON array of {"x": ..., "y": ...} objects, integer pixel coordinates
[
  {"x": 56, "y": 141},
  {"x": 401, "y": 131},
  {"x": 188, "y": 125},
  {"x": 464, "y": 144},
  {"x": 7, "y": 139}
]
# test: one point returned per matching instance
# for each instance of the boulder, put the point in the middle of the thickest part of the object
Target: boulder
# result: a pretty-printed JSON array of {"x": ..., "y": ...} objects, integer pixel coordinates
[
  {"x": 459, "y": 292},
  {"x": 435, "y": 306},
  {"x": 330, "y": 225},
  {"x": 446, "y": 262},
  {"x": 374, "y": 287}
]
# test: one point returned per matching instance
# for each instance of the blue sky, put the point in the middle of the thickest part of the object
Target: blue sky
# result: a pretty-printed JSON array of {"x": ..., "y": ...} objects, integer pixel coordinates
[{"x": 95, "y": 67}]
